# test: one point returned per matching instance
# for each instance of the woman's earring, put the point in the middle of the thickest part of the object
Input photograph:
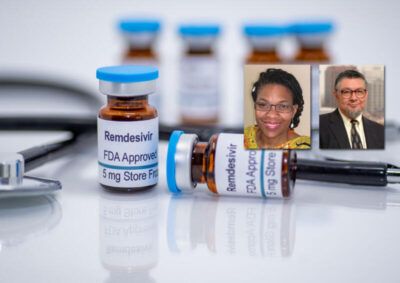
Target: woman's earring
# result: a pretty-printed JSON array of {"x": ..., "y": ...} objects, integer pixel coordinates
[{"x": 291, "y": 126}]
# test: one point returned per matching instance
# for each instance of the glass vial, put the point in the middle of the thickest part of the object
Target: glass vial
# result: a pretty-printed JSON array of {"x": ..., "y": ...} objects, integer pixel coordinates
[
  {"x": 140, "y": 37},
  {"x": 199, "y": 83},
  {"x": 263, "y": 40},
  {"x": 312, "y": 38},
  {"x": 127, "y": 128},
  {"x": 227, "y": 167}
]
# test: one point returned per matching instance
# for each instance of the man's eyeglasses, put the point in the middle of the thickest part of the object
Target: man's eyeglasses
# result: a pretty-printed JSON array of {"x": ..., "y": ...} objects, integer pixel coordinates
[
  {"x": 347, "y": 93},
  {"x": 281, "y": 108}
]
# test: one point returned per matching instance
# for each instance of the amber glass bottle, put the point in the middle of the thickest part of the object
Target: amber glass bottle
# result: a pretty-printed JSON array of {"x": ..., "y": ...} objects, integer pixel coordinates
[
  {"x": 127, "y": 128},
  {"x": 199, "y": 96},
  {"x": 227, "y": 167},
  {"x": 127, "y": 109},
  {"x": 140, "y": 37},
  {"x": 264, "y": 41}
]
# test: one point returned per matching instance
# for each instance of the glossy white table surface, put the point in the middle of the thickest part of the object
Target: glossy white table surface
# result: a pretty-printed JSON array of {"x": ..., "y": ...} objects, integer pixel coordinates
[{"x": 324, "y": 233}]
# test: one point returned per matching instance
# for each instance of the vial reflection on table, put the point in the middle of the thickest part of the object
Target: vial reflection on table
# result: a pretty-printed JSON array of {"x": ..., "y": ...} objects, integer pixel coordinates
[
  {"x": 232, "y": 227},
  {"x": 128, "y": 232}
]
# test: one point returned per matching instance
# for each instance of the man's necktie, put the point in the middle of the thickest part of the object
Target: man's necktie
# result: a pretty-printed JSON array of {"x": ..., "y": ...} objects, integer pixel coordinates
[{"x": 355, "y": 137}]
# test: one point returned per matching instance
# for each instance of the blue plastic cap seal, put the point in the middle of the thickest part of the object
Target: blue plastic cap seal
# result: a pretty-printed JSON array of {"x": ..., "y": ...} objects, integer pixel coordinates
[
  {"x": 139, "y": 25},
  {"x": 302, "y": 28},
  {"x": 173, "y": 142},
  {"x": 199, "y": 30},
  {"x": 263, "y": 30},
  {"x": 127, "y": 73}
]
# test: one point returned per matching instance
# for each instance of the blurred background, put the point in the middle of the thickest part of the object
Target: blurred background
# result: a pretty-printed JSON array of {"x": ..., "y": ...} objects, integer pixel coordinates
[{"x": 69, "y": 40}]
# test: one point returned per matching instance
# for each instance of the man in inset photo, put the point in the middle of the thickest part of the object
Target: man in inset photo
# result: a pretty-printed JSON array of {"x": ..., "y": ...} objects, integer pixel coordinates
[{"x": 347, "y": 127}]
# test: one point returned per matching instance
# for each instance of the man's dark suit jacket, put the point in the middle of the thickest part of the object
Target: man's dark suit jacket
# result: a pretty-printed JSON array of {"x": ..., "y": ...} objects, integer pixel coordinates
[{"x": 332, "y": 132}]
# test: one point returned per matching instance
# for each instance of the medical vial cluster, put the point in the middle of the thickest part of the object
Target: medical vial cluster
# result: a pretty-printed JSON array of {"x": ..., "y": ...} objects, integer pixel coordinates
[
  {"x": 198, "y": 81},
  {"x": 227, "y": 168},
  {"x": 266, "y": 42},
  {"x": 128, "y": 123},
  {"x": 127, "y": 128}
]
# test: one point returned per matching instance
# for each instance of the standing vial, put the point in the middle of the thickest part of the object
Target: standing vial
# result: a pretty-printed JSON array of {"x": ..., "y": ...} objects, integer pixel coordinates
[
  {"x": 263, "y": 40},
  {"x": 312, "y": 38},
  {"x": 227, "y": 167},
  {"x": 127, "y": 128},
  {"x": 199, "y": 83},
  {"x": 140, "y": 37}
]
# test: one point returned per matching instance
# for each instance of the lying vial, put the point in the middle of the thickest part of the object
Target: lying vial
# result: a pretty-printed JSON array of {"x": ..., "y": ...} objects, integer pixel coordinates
[
  {"x": 227, "y": 167},
  {"x": 127, "y": 128}
]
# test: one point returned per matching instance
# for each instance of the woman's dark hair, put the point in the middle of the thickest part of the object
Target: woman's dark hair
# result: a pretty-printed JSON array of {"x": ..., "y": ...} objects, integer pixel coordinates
[{"x": 281, "y": 77}]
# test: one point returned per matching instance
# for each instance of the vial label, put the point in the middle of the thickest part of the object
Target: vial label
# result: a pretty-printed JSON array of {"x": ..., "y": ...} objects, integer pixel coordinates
[
  {"x": 243, "y": 172},
  {"x": 127, "y": 153},
  {"x": 199, "y": 87}
]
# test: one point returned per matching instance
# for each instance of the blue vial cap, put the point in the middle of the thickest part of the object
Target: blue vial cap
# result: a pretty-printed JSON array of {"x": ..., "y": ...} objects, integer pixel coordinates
[
  {"x": 139, "y": 25},
  {"x": 173, "y": 142},
  {"x": 302, "y": 28},
  {"x": 263, "y": 30},
  {"x": 127, "y": 73},
  {"x": 199, "y": 30}
]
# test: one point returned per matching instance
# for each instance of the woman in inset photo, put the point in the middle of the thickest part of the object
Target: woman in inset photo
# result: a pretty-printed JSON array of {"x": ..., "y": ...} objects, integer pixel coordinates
[{"x": 278, "y": 104}]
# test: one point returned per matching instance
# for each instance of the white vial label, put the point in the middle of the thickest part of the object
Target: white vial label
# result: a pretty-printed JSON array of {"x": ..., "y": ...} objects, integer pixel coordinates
[
  {"x": 244, "y": 172},
  {"x": 199, "y": 87},
  {"x": 128, "y": 153}
]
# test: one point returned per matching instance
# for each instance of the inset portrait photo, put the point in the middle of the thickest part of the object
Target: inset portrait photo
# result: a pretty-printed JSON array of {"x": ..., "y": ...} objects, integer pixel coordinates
[
  {"x": 277, "y": 107},
  {"x": 352, "y": 112}
]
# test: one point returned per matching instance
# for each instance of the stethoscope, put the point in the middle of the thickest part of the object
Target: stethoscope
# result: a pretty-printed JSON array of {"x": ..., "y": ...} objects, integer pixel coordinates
[{"x": 13, "y": 166}]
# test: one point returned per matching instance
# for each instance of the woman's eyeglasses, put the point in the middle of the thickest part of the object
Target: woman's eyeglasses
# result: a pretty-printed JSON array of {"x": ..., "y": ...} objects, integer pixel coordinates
[{"x": 281, "y": 108}]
